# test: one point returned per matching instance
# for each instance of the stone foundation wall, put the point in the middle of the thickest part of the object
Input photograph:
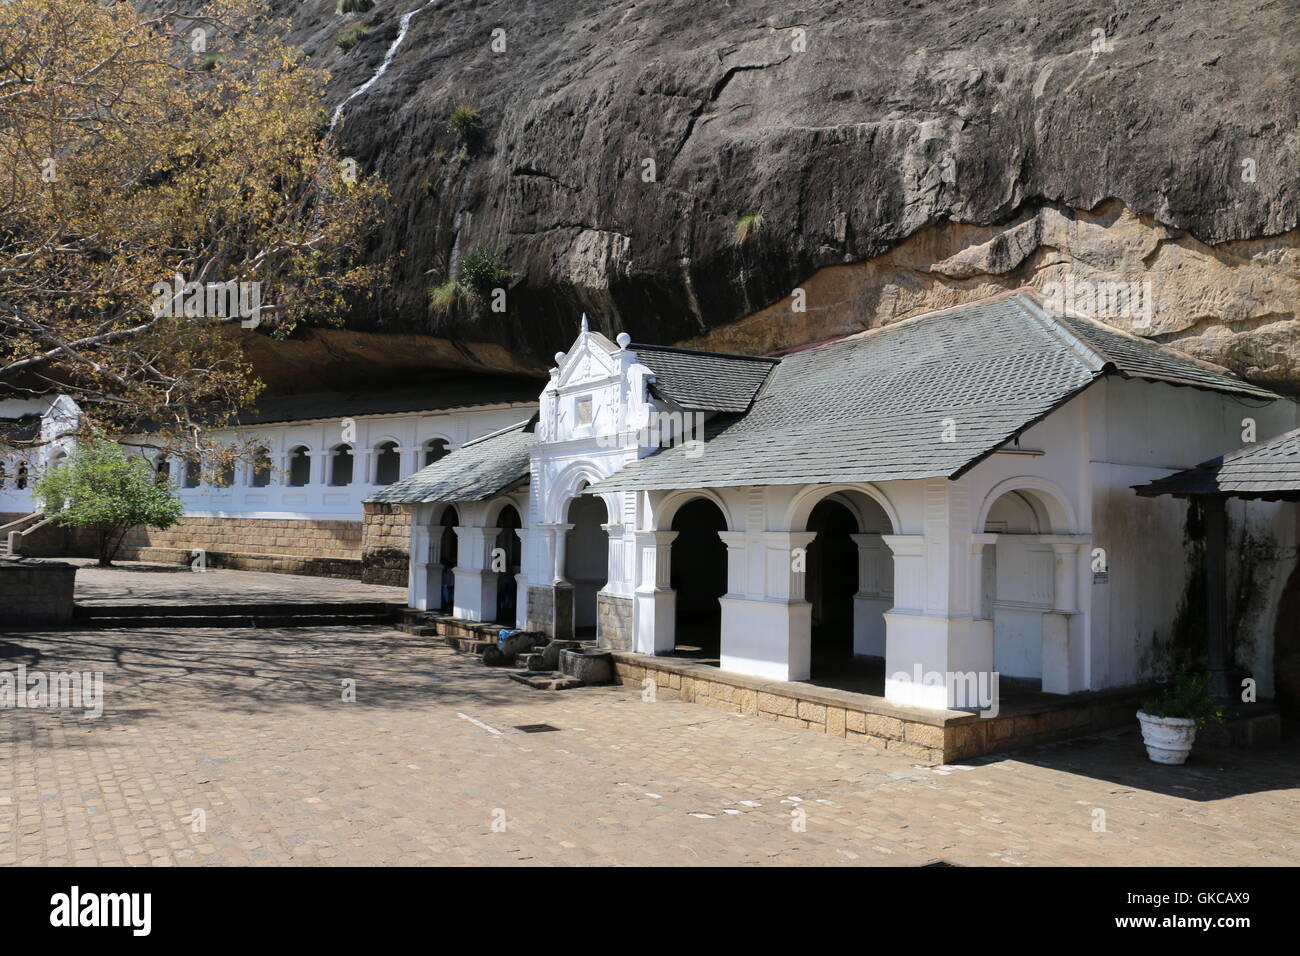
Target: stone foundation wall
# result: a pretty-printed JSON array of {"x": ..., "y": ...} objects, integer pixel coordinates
[
  {"x": 614, "y": 621},
  {"x": 36, "y": 592},
  {"x": 386, "y": 544},
  {"x": 932, "y": 736},
  {"x": 541, "y": 609},
  {"x": 285, "y": 537}
]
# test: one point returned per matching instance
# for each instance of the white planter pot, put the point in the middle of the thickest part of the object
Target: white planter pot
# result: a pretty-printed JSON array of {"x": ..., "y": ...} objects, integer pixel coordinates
[{"x": 1168, "y": 739}]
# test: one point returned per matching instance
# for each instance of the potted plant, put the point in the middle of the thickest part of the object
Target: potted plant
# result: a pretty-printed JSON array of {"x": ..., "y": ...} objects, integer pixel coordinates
[{"x": 1169, "y": 720}]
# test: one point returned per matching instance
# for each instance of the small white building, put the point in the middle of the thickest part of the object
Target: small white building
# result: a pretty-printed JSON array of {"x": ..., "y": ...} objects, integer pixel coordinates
[
  {"x": 36, "y": 433},
  {"x": 951, "y": 495}
]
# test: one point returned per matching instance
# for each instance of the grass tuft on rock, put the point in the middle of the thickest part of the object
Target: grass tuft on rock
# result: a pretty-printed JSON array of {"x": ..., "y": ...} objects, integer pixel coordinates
[{"x": 748, "y": 226}]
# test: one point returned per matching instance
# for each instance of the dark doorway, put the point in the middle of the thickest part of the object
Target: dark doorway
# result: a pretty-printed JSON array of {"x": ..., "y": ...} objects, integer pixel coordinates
[
  {"x": 699, "y": 576},
  {"x": 586, "y": 561},
  {"x": 448, "y": 550},
  {"x": 507, "y": 558},
  {"x": 830, "y": 584}
]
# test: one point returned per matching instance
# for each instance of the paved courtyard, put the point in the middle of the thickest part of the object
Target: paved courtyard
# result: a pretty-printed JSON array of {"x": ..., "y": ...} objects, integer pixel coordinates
[{"x": 428, "y": 765}]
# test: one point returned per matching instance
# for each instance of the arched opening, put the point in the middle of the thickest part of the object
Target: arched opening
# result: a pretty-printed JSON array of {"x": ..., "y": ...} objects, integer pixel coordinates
[
  {"x": 261, "y": 468},
  {"x": 388, "y": 463},
  {"x": 435, "y": 449},
  {"x": 849, "y": 583},
  {"x": 509, "y": 554},
  {"x": 831, "y": 584},
  {"x": 193, "y": 472},
  {"x": 699, "y": 578},
  {"x": 299, "y": 467},
  {"x": 4, "y": 474},
  {"x": 1018, "y": 584},
  {"x": 447, "y": 553},
  {"x": 162, "y": 469},
  {"x": 340, "y": 465},
  {"x": 586, "y": 560},
  {"x": 226, "y": 476},
  {"x": 20, "y": 478}
]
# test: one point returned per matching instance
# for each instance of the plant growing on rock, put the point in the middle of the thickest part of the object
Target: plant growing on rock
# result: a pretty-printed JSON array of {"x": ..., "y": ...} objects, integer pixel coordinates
[
  {"x": 467, "y": 124},
  {"x": 354, "y": 6},
  {"x": 351, "y": 36},
  {"x": 482, "y": 271},
  {"x": 444, "y": 296},
  {"x": 748, "y": 226},
  {"x": 101, "y": 487}
]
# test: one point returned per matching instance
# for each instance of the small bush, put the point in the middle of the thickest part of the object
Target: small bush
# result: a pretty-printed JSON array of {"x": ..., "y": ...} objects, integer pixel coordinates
[
  {"x": 748, "y": 226},
  {"x": 351, "y": 36},
  {"x": 481, "y": 272},
  {"x": 354, "y": 6},
  {"x": 467, "y": 124},
  {"x": 444, "y": 296},
  {"x": 1188, "y": 696},
  {"x": 211, "y": 61}
]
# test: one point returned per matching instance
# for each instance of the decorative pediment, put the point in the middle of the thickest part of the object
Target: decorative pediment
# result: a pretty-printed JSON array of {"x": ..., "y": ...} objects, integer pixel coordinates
[{"x": 593, "y": 358}]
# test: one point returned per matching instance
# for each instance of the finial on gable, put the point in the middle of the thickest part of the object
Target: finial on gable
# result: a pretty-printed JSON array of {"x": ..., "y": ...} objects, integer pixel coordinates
[
  {"x": 584, "y": 322},
  {"x": 623, "y": 340}
]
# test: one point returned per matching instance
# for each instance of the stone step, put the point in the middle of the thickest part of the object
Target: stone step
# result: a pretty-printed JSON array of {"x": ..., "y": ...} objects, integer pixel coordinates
[
  {"x": 545, "y": 680},
  {"x": 238, "y": 620},
  {"x": 377, "y": 609}
]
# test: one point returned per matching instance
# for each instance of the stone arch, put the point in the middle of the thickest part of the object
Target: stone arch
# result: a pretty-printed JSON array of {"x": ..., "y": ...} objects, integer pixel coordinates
[
  {"x": 342, "y": 466},
  {"x": 668, "y": 506},
  {"x": 1050, "y": 504},
  {"x": 569, "y": 484},
  {"x": 388, "y": 461},
  {"x": 850, "y": 495},
  {"x": 435, "y": 448},
  {"x": 299, "y": 466}
]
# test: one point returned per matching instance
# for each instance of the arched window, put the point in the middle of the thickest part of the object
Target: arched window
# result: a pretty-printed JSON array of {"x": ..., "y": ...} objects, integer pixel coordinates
[
  {"x": 192, "y": 472},
  {"x": 299, "y": 467},
  {"x": 388, "y": 463},
  {"x": 261, "y": 468},
  {"x": 435, "y": 449},
  {"x": 162, "y": 469},
  {"x": 341, "y": 465},
  {"x": 4, "y": 474},
  {"x": 226, "y": 476},
  {"x": 21, "y": 481}
]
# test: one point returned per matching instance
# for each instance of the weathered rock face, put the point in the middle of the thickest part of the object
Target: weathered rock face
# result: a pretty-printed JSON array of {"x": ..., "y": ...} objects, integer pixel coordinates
[{"x": 903, "y": 156}]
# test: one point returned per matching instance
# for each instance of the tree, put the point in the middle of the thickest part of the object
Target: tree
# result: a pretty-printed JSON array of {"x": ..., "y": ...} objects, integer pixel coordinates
[
  {"x": 103, "y": 487},
  {"x": 166, "y": 177}
]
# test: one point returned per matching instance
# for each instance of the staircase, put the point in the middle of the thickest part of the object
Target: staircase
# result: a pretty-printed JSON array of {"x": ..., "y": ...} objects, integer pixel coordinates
[
  {"x": 355, "y": 613},
  {"x": 11, "y": 533}
]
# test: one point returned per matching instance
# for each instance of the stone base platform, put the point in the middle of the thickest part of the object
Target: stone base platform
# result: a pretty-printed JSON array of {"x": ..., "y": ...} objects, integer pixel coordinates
[
  {"x": 935, "y": 737},
  {"x": 349, "y": 568}
]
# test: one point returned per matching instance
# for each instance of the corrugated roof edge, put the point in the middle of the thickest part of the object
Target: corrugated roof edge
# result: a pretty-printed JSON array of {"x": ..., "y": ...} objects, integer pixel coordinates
[{"x": 517, "y": 426}]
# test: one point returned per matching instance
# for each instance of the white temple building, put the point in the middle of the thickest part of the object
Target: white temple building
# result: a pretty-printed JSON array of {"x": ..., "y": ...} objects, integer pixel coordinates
[{"x": 951, "y": 494}]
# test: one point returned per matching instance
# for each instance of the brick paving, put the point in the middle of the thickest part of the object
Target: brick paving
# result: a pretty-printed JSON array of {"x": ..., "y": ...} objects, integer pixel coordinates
[{"x": 426, "y": 766}]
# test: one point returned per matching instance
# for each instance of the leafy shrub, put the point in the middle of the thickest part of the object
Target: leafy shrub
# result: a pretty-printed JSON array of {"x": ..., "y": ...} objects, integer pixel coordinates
[
  {"x": 101, "y": 487},
  {"x": 467, "y": 124},
  {"x": 481, "y": 272},
  {"x": 1187, "y": 696},
  {"x": 351, "y": 36}
]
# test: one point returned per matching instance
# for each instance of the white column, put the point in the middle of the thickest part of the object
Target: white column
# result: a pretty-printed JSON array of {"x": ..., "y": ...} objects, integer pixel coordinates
[
  {"x": 1064, "y": 628},
  {"x": 409, "y": 461},
  {"x": 417, "y": 580},
  {"x": 476, "y": 582},
  {"x": 521, "y": 582},
  {"x": 770, "y": 636},
  {"x": 871, "y": 602},
  {"x": 655, "y": 601}
]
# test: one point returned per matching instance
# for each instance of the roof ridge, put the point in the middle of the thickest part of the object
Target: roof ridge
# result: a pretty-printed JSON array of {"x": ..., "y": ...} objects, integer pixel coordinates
[
  {"x": 637, "y": 346},
  {"x": 496, "y": 434},
  {"x": 1051, "y": 322}
]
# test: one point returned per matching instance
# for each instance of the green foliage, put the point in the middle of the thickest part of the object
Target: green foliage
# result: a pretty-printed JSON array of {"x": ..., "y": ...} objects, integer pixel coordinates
[
  {"x": 350, "y": 36},
  {"x": 354, "y": 6},
  {"x": 467, "y": 124},
  {"x": 748, "y": 226},
  {"x": 101, "y": 487},
  {"x": 444, "y": 296},
  {"x": 1187, "y": 696},
  {"x": 482, "y": 271},
  {"x": 211, "y": 61}
]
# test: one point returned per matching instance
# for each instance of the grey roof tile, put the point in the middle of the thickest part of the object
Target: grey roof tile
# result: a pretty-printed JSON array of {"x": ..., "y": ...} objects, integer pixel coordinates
[
  {"x": 1269, "y": 469},
  {"x": 872, "y": 407},
  {"x": 479, "y": 469},
  {"x": 705, "y": 381}
]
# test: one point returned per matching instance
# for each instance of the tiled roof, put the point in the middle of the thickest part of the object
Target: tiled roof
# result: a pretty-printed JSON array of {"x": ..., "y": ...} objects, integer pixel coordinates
[
  {"x": 451, "y": 393},
  {"x": 1269, "y": 469},
  {"x": 479, "y": 469},
  {"x": 705, "y": 381},
  {"x": 874, "y": 406},
  {"x": 1138, "y": 358}
]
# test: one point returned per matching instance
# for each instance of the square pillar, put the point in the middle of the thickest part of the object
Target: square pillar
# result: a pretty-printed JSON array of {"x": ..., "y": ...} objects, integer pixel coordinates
[
  {"x": 654, "y": 628},
  {"x": 770, "y": 636},
  {"x": 476, "y": 582},
  {"x": 1065, "y": 627}
]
